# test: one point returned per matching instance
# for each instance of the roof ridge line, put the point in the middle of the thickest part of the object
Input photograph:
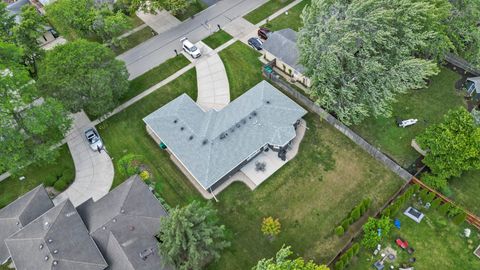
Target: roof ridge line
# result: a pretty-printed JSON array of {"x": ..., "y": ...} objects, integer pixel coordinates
[{"x": 28, "y": 202}]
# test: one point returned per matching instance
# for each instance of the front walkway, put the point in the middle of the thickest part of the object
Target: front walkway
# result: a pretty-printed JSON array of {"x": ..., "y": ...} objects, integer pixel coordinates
[
  {"x": 212, "y": 80},
  {"x": 93, "y": 171}
]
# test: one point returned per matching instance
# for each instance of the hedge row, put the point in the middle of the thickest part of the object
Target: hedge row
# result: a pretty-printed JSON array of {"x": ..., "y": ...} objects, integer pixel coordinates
[
  {"x": 344, "y": 260},
  {"x": 354, "y": 215},
  {"x": 60, "y": 180}
]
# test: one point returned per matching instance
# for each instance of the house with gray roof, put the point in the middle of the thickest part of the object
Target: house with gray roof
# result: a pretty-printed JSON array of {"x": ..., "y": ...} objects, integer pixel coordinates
[
  {"x": 124, "y": 224},
  {"x": 116, "y": 232},
  {"x": 58, "y": 239},
  {"x": 19, "y": 213},
  {"x": 281, "y": 49},
  {"x": 213, "y": 145}
]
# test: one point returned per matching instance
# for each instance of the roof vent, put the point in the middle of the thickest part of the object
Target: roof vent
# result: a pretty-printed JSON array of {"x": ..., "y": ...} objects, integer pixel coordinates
[
  {"x": 190, "y": 138},
  {"x": 222, "y": 136},
  {"x": 55, "y": 262},
  {"x": 41, "y": 246},
  {"x": 114, "y": 220},
  {"x": 237, "y": 125},
  {"x": 131, "y": 228},
  {"x": 46, "y": 258},
  {"x": 204, "y": 142},
  {"x": 104, "y": 228},
  {"x": 268, "y": 101},
  {"x": 122, "y": 210},
  {"x": 254, "y": 113},
  {"x": 49, "y": 240},
  {"x": 232, "y": 129},
  {"x": 244, "y": 121},
  {"x": 55, "y": 251},
  {"x": 18, "y": 222},
  {"x": 147, "y": 252},
  {"x": 175, "y": 121},
  {"x": 182, "y": 128}
]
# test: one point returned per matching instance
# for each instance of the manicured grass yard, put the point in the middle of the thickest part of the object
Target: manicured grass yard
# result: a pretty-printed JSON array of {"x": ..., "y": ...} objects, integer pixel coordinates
[
  {"x": 437, "y": 242},
  {"x": 428, "y": 105},
  {"x": 266, "y": 10},
  {"x": 310, "y": 194},
  {"x": 292, "y": 20},
  {"x": 218, "y": 38},
  {"x": 12, "y": 188},
  {"x": 155, "y": 75},
  {"x": 243, "y": 68},
  {"x": 466, "y": 190},
  {"x": 134, "y": 40}
]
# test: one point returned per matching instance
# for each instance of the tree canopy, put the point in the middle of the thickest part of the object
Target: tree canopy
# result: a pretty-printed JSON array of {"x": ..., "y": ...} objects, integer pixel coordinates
[
  {"x": 83, "y": 75},
  {"x": 453, "y": 147},
  {"x": 281, "y": 262},
  {"x": 30, "y": 126},
  {"x": 31, "y": 27},
  {"x": 152, "y": 6},
  {"x": 109, "y": 25},
  {"x": 7, "y": 21},
  {"x": 359, "y": 54},
  {"x": 72, "y": 17},
  {"x": 463, "y": 29},
  {"x": 374, "y": 230},
  {"x": 191, "y": 236}
]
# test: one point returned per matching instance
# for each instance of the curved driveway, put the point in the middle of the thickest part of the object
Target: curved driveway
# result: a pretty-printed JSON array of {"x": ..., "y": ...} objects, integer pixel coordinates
[{"x": 93, "y": 171}]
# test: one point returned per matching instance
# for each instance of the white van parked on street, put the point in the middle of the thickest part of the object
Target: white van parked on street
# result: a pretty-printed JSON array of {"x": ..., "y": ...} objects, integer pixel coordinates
[{"x": 189, "y": 48}]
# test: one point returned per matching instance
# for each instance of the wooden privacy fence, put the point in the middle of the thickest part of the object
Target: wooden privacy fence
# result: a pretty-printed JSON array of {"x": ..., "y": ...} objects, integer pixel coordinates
[
  {"x": 471, "y": 218},
  {"x": 462, "y": 63}
]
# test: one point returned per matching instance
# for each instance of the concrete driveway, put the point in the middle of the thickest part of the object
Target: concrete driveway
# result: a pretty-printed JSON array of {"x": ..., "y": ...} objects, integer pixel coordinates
[
  {"x": 160, "y": 48},
  {"x": 93, "y": 171},
  {"x": 160, "y": 22}
]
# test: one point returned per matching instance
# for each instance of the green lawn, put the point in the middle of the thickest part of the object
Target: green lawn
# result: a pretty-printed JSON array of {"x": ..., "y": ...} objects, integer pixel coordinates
[
  {"x": 244, "y": 70},
  {"x": 310, "y": 194},
  {"x": 266, "y": 10},
  {"x": 135, "y": 20},
  {"x": 437, "y": 242},
  {"x": 12, "y": 188},
  {"x": 134, "y": 40},
  {"x": 292, "y": 20},
  {"x": 193, "y": 9},
  {"x": 466, "y": 190},
  {"x": 218, "y": 38},
  {"x": 427, "y": 105},
  {"x": 155, "y": 75},
  {"x": 125, "y": 133}
]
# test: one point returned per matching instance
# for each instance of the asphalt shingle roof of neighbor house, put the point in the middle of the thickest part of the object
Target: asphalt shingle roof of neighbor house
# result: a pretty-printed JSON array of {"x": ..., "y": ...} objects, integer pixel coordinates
[
  {"x": 210, "y": 144},
  {"x": 283, "y": 45},
  {"x": 58, "y": 239},
  {"x": 19, "y": 213},
  {"x": 124, "y": 223}
]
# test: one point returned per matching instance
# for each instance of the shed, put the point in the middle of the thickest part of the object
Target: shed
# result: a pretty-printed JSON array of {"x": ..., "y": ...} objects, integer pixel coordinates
[{"x": 473, "y": 87}]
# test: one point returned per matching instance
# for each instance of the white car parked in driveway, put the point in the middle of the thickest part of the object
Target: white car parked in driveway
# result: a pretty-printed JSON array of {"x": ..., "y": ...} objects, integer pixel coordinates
[
  {"x": 93, "y": 139},
  {"x": 189, "y": 48}
]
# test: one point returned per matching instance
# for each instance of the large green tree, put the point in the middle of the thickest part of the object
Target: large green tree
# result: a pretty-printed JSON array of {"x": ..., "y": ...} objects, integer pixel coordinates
[
  {"x": 109, "y": 25},
  {"x": 463, "y": 29},
  {"x": 7, "y": 21},
  {"x": 191, "y": 236},
  {"x": 83, "y": 75},
  {"x": 152, "y": 6},
  {"x": 30, "y": 127},
  {"x": 359, "y": 54},
  {"x": 73, "y": 18},
  {"x": 31, "y": 27},
  {"x": 374, "y": 230},
  {"x": 452, "y": 146},
  {"x": 281, "y": 262}
]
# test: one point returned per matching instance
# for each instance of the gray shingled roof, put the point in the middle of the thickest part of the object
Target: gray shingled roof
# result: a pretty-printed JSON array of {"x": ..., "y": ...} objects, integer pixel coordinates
[
  {"x": 57, "y": 239},
  {"x": 476, "y": 83},
  {"x": 211, "y": 144},
  {"x": 19, "y": 213},
  {"x": 283, "y": 45},
  {"x": 124, "y": 223}
]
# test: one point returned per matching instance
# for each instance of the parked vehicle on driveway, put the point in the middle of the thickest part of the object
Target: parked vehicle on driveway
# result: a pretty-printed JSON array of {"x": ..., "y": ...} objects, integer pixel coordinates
[
  {"x": 93, "y": 139},
  {"x": 256, "y": 43},
  {"x": 189, "y": 48},
  {"x": 263, "y": 33}
]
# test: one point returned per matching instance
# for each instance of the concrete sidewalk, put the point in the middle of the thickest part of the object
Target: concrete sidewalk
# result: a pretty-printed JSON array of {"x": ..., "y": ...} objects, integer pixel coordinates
[
  {"x": 93, "y": 171},
  {"x": 212, "y": 80}
]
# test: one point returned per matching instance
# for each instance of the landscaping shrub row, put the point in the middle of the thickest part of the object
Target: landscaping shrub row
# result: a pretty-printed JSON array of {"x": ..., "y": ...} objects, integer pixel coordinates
[
  {"x": 60, "y": 180},
  {"x": 345, "y": 259},
  {"x": 354, "y": 215}
]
